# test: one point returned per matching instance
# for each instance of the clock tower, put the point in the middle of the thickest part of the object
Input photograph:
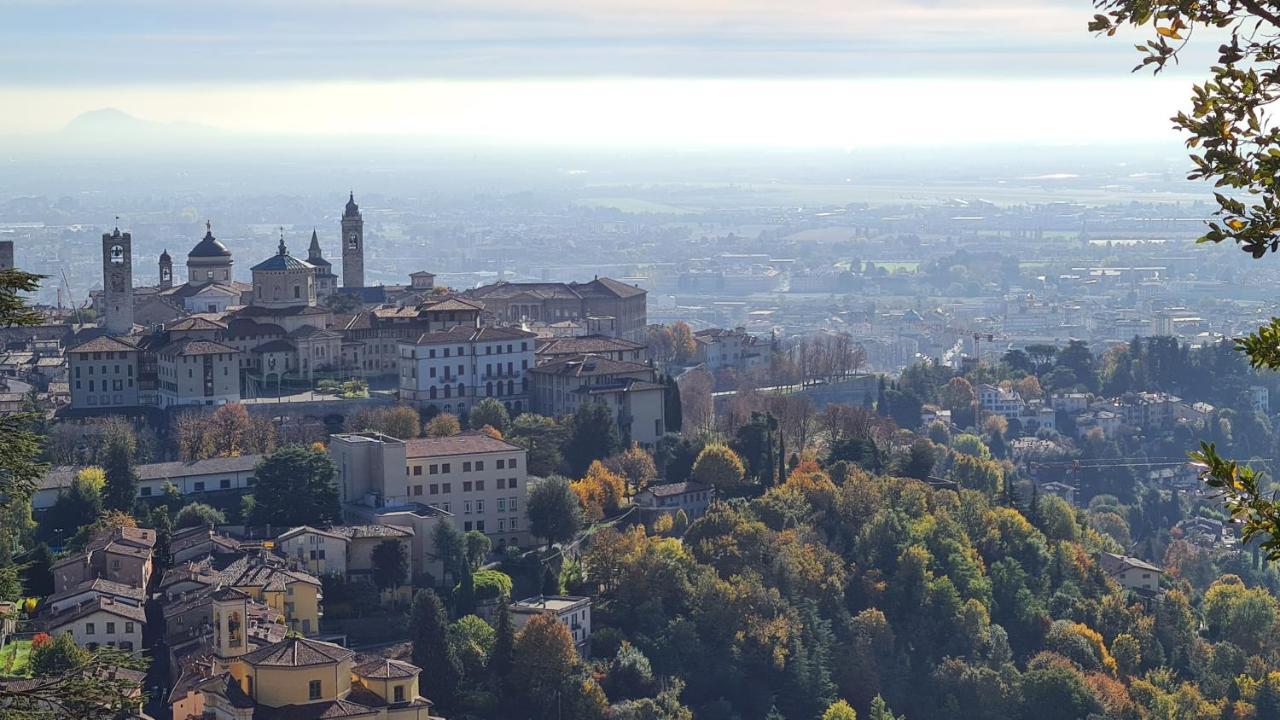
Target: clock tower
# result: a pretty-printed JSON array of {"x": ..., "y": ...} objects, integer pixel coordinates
[
  {"x": 117, "y": 282},
  {"x": 352, "y": 245}
]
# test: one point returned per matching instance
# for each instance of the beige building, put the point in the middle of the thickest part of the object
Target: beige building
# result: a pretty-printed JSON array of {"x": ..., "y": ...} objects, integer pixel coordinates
[
  {"x": 102, "y": 621},
  {"x": 1131, "y": 573},
  {"x": 103, "y": 374},
  {"x": 193, "y": 477},
  {"x": 478, "y": 480},
  {"x": 573, "y": 611},
  {"x": 197, "y": 372},
  {"x": 283, "y": 281},
  {"x": 318, "y": 552},
  {"x": 557, "y": 302},
  {"x": 630, "y": 390},
  {"x": 454, "y": 369},
  {"x": 122, "y": 555},
  {"x": 234, "y": 675}
]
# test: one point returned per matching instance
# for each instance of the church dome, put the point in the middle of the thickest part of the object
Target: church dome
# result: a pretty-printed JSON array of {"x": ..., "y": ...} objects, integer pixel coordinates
[
  {"x": 164, "y": 256},
  {"x": 209, "y": 246}
]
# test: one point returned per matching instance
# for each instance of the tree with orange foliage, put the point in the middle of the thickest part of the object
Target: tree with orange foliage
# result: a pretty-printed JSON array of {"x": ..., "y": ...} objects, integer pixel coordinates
[
  {"x": 600, "y": 491},
  {"x": 635, "y": 465}
]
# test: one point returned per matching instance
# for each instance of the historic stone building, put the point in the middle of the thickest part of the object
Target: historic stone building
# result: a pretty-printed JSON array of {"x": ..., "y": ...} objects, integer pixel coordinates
[
  {"x": 352, "y": 245},
  {"x": 588, "y": 303},
  {"x": 117, "y": 278}
]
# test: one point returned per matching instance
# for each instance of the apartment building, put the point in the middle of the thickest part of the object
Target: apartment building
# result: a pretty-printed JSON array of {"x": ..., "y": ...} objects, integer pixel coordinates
[
  {"x": 479, "y": 481},
  {"x": 630, "y": 390},
  {"x": 197, "y": 372},
  {"x": 189, "y": 477},
  {"x": 455, "y": 369},
  {"x": 103, "y": 374}
]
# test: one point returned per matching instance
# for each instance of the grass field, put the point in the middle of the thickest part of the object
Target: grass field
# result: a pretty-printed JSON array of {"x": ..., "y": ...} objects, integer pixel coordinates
[{"x": 13, "y": 658}]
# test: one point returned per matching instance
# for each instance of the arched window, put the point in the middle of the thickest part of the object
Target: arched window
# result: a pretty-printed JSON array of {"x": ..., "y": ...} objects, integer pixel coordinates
[
  {"x": 432, "y": 393},
  {"x": 462, "y": 390},
  {"x": 511, "y": 387},
  {"x": 488, "y": 389},
  {"x": 448, "y": 390}
]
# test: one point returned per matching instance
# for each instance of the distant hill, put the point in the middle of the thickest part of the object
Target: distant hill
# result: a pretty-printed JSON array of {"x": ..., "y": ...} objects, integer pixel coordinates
[{"x": 112, "y": 125}]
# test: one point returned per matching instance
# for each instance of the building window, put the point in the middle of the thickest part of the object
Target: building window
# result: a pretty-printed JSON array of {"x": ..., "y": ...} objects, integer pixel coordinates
[
  {"x": 417, "y": 470},
  {"x": 466, "y": 467},
  {"x": 88, "y": 628},
  {"x": 479, "y": 466},
  {"x": 466, "y": 486},
  {"x": 128, "y": 627},
  {"x": 466, "y": 508},
  {"x": 444, "y": 468},
  {"x": 434, "y": 489},
  {"x": 502, "y": 483},
  {"x": 398, "y": 693},
  {"x": 433, "y": 469},
  {"x": 111, "y": 628},
  {"x": 313, "y": 690},
  {"x": 448, "y": 488},
  {"x": 502, "y": 464}
]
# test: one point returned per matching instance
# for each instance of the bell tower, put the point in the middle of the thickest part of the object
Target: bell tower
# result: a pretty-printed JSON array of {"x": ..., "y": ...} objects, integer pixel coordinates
[
  {"x": 166, "y": 270},
  {"x": 117, "y": 282},
  {"x": 230, "y": 615},
  {"x": 352, "y": 245}
]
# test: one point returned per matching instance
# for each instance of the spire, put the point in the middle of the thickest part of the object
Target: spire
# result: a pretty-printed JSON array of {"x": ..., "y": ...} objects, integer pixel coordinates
[
  {"x": 313, "y": 252},
  {"x": 283, "y": 249},
  {"x": 117, "y": 231}
]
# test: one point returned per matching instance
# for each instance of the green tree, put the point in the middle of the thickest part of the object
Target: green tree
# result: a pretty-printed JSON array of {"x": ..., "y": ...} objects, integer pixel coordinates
[
  {"x": 56, "y": 656},
  {"x": 542, "y": 437},
  {"x": 504, "y": 637},
  {"x": 553, "y": 509},
  {"x": 471, "y": 639},
  {"x": 593, "y": 435},
  {"x": 489, "y": 412},
  {"x": 880, "y": 710},
  {"x": 428, "y": 631},
  {"x": 451, "y": 548},
  {"x": 121, "y": 486},
  {"x": 295, "y": 486},
  {"x": 477, "y": 546},
  {"x": 10, "y": 583},
  {"x": 719, "y": 467},
  {"x": 390, "y": 564},
  {"x": 673, "y": 411},
  {"x": 198, "y": 514},
  {"x": 75, "y": 507}
]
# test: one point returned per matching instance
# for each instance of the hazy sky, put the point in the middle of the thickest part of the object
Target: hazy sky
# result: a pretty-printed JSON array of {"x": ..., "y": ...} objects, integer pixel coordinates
[{"x": 804, "y": 72}]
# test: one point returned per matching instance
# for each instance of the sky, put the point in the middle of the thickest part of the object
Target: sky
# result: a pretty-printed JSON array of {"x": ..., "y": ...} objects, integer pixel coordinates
[{"x": 803, "y": 73}]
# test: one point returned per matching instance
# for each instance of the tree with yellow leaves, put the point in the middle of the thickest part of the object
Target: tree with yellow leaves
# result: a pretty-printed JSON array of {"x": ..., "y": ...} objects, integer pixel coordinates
[
  {"x": 719, "y": 467},
  {"x": 601, "y": 491},
  {"x": 443, "y": 425}
]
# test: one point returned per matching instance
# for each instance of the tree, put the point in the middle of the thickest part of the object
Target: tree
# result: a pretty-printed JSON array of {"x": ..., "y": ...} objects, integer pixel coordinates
[
  {"x": 77, "y": 506},
  {"x": 553, "y": 509},
  {"x": 198, "y": 514},
  {"x": 401, "y": 422},
  {"x": 489, "y": 412},
  {"x": 428, "y": 631},
  {"x": 542, "y": 437},
  {"x": 673, "y": 412},
  {"x": 451, "y": 548},
  {"x": 593, "y": 435},
  {"x": 503, "y": 641},
  {"x": 471, "y": 639},
  {"x": 295, "y": 486},
  {"x": 684, "y": 345},
  {"x": 390, "y": 564},
  {"x": 839, "y": 710},
  {"x": 121, "y": 487},
  {"x": 544, "y": 665},
  {"x": 56, "y": 655},
  {"x": 880, "y": 710},
  {"x": 601, "y": 492},
  {"x": 478, "y": 546},
  {"x": 443, "y": 425},
  {"x": 719, "y": 467},
  {"x": 636, "y": 465}
]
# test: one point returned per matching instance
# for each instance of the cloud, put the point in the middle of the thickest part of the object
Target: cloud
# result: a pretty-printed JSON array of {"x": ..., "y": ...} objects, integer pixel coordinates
[{"x": 201, "y": 41}]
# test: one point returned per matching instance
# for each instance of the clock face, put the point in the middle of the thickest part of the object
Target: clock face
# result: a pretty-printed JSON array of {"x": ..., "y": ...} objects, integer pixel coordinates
[
  {"x": 117, "y": 254},
  {"x": 353, "y": 240}
]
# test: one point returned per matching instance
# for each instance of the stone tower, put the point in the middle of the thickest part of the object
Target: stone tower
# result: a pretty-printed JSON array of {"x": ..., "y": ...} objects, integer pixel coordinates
[
  {"x": 117, "y": 282},
  {"x": 230, "y": 618},
  {"x": 6, "y": 254},
  {"x": 166, "y": 270},
  {"x": 352, "y": 245}
]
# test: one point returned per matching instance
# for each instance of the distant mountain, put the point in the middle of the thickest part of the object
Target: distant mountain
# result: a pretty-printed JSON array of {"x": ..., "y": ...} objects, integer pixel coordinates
[{"x": 114, "y": 125}]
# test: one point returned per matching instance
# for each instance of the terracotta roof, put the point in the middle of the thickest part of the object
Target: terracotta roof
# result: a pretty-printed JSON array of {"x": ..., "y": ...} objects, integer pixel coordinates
[
  {"x": 298, "y": 652},
  {"x": 101, "y": 603},
  {"x": 385, "y": 669},
  {"x": 251, "y": 571},
  {"x": 1113, "y": 563},
  {"x": 303, "y": 529},
  {"x": 590, "y": 365},
  {"x": 190, "y": 347},
  {"x": 331, "y": 710},
  {"x": 104, "y": 344},
  {"x": 196, "y": 323},
  {"x": 461, "y": 444},
  {"x": 585, "y": 345},
  {"x": 102, "y": 587}
]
